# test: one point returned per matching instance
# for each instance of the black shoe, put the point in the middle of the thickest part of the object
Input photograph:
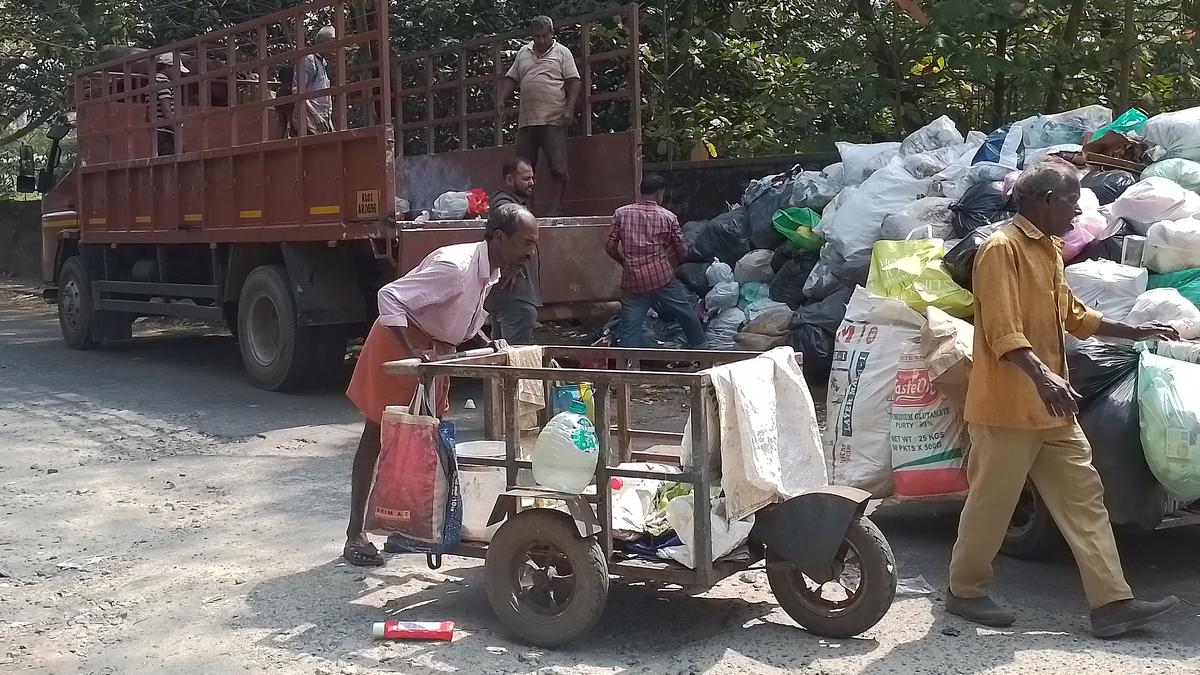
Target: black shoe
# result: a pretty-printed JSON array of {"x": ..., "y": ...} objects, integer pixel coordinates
[
  {"x": 979, "y": 610},
  {"x": 1117, "y": 618}
]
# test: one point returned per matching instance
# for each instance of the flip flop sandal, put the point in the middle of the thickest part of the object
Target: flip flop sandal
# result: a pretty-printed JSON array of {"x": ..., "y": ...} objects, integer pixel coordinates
[{"x": 362, "y": 557}]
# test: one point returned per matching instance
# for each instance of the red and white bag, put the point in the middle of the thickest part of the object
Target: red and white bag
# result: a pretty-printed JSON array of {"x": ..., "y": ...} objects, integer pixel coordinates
[{"x": 928, "y": 437}]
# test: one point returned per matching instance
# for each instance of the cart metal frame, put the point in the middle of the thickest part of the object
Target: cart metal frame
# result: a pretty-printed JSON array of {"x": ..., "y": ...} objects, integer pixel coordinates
[{"x": 500, "y": 423}]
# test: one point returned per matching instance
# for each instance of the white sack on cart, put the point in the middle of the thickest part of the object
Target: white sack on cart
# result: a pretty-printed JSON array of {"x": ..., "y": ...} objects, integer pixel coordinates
[{"x": 726, "y": 535}]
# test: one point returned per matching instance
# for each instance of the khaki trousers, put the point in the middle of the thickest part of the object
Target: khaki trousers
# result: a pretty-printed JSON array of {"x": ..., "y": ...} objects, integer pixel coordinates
[{"x": 1059, "y": 462}]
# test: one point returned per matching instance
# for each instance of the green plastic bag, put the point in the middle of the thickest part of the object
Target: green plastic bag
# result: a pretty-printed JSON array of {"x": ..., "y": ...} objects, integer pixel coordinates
[
  {"x": 1182, "y": 171},
  {"x": 911, "y": 272},
  {"x": 1132, "y": 120},
  {"x": 796, "y": 225},
  {"x": 1187, "y": 282},
  {"x": 1170, "y": 421}
]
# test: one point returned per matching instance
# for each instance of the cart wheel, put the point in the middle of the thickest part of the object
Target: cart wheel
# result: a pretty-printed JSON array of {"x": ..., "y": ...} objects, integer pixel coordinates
[
  {"x": 858, "y": 596},
  {"x": 545, "y": 583}
]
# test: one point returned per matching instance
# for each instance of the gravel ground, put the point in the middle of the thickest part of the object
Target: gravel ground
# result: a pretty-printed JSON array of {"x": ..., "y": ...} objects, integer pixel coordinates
[{"x": 162, "y": 516}]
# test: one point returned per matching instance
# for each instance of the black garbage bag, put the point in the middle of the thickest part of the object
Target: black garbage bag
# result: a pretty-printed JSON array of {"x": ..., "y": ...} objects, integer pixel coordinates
[
  {"x": 1101, "y": 249},
  {"x": 726, "y": 237},
  {"x": 784, "y": 253},
  {"x": 1108, "y": 185},
  {"x": 812, "y": 334},
  {"x": 982, "y": 204},
  {"x": 1095, "y": 367},
  {"x": 692, "y": 230},
  {"x": 693, "y": 276},
  {"x": 788, "y": 285},
  {"x": 762, "y": 199},
  {"x": 960, "y": 260},
  {"x": 1131, "y": 493}
]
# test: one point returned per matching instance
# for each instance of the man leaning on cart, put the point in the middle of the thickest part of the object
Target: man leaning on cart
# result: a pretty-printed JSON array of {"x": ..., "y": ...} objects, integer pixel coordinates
[{"x": 431, "y": 310}]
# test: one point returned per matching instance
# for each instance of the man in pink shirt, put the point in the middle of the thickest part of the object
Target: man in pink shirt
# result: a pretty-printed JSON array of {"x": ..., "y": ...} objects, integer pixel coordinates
[{"x": 431, "y": 310}]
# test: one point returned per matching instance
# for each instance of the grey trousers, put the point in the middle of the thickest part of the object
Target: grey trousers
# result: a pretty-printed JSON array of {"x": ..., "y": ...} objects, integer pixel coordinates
[{"x": 513, "y": 321}]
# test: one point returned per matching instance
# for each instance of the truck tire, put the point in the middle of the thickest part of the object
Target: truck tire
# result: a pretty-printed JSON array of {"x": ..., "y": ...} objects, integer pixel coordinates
[
  {"x": 77, "y": 316},
  {"x": 277, "y": 351}
]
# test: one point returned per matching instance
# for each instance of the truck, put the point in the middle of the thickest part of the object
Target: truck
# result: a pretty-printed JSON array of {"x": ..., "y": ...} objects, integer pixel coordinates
[{"x": 286, "y": 235}]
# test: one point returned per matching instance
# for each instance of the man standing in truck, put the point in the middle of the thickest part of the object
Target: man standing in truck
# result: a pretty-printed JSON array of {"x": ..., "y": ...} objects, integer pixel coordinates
[
  {"x": 548, "y": 79},
  {"x": 163, "y": 106},
  {"x": 432, "y": 310},
  {"x": 314, "y": 76},
  {"x": 648, "y": 244},
  {"x": 513, "y": 304}
]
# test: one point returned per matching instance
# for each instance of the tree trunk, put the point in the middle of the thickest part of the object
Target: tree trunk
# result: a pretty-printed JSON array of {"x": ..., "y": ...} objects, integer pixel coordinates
[
  {"x": 1000, "y": 83},
  {"x": 1069, "y": 36},
  {"x": 1128, "y": 32}
]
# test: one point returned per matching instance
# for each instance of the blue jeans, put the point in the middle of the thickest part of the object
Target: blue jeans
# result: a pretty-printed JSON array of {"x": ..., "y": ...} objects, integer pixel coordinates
[{"x": 671, "y": 302}]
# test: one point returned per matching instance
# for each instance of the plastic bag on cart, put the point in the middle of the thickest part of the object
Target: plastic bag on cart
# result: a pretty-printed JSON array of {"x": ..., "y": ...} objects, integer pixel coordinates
[
  {"x": 1166, "y": 305},
  {"x": 1177, "y": 133},
  {"x": 1172, "y": 246},
  {"x": 1095, "y": 366},
  {"x": 1107, "y": 286},
  {"x": 1074, "y": 126},
  {"x": 722, "y": 297},
  {"x": 940, "y": 133},
  {"x": 726, "y": 237},
  {"x": 854, "y": 227},
  {"x": 762, "y": 198},
  {"x": 1132, "y": 494},
  {"x": 1153, "y": 199},
  {"x": 1003, "y": 146},
  {"x": 415, "y": 491},
  {"x": 788, "y": 285},
  {"x": 960, "y": 259},
  {"x": 1183, "y": 171},
  {"x": 726, "y": 535},
  {"x": 451, "y": 206},
  {"x": 1170, "y": 422},
  {"x": 928, "y": 437},
  {"x": 866, "y": 357},
  {"x": 1108, "y": 185},
  {"x": 924, "y": 217},
  {"x": 719, "y": 332},
  {"x": 754, "y": 266},
  {"x": 813, "y": 190},
  {"x": 981, "y": 205}
]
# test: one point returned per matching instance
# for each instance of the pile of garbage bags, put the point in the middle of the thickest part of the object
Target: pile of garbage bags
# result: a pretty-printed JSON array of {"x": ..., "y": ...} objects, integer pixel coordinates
[{"x": 869, "y": 261}]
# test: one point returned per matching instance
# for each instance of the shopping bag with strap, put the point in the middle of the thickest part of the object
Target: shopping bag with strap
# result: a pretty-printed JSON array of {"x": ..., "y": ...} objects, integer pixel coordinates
[
  {"x": 911, "y": 271},
  {"x": 415, "y": 493}
]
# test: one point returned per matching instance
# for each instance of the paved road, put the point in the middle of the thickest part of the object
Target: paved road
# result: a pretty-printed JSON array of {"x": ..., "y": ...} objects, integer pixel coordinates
[{"x": 161, "y": 515}]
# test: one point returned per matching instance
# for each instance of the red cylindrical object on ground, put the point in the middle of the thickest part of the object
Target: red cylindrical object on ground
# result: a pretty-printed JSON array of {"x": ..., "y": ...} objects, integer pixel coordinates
[{"x": 414, "y": 630}]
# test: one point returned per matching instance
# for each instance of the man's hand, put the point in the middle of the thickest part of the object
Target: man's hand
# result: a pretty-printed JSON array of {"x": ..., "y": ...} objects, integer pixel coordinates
[
  {"x": 1060, "y": 399},
  {"x": 568, "y": 118},
  {"x": 1155, "y": 331}
]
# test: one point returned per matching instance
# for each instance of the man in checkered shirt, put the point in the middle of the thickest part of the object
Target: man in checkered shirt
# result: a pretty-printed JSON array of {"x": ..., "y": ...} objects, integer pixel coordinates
[{"x": 647, "y": 242}]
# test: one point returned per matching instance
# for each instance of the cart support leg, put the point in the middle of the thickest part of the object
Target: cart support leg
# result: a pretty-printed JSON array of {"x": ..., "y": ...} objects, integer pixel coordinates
[
  {"x": 603, "y": 490},
  {"x": 702, "y": 449},
  {"x": 512, "y": 432}
]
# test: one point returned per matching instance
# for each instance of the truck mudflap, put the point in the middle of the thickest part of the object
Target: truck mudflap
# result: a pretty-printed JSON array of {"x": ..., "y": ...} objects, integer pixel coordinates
[{"x": 807, "y": 531}]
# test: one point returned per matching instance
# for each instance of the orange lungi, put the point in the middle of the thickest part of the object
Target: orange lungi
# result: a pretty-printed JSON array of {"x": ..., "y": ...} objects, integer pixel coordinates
[{"x": 372, "y": 390}]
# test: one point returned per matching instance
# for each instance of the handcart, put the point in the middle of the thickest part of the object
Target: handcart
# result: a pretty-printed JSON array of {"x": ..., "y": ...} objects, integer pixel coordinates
[{"x": 547, "y": 570}]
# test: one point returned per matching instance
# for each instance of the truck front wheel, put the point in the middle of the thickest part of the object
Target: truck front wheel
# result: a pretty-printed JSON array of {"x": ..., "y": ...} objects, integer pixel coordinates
[
  {"x": 276, "y": 350},
  {"x": 76, "y": 313}
]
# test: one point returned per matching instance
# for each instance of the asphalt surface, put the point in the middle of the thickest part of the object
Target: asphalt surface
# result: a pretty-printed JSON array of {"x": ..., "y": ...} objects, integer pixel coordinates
[{"x": 162, "y": 515}]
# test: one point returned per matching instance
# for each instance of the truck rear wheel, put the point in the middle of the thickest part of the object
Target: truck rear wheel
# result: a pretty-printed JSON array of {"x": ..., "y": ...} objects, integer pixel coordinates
[
  {"x": 76, "y": 313},
  {"x": 276, "y": 350}
]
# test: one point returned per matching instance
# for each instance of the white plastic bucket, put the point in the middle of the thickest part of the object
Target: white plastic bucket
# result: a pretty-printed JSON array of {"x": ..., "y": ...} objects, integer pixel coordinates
[{"x": 481, "y": 485}]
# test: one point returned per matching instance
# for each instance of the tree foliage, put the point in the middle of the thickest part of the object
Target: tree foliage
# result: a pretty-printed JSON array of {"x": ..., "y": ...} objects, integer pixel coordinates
[{"x": 752, "y": 76}]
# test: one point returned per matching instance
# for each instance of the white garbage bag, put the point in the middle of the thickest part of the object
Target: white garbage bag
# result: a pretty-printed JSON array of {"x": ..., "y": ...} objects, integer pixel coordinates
[
  {"x": 1153, "y": 199},
  {"x": 1106, "y": 286},
  {"x": 940, "y": 133},
  {"x": 726, "y": 536},
  {"x": 814, "y": 190},
  {"x": 450, "y": 206},
  {"x": 1177, "y": 133},
  {"x": 719, "y": 332},
  {"x": 866, "y": 357},
  {"x": 854, "y": 227},
  {"x": 1167, "y": 305},
  {"x": 718, "y": 272},
  {"x": 1073, "y": 126},
  {"x": 722, "y": 297},
  {"x": 927, "y": 218},
  {"x": 859, "y": 159},
  {"x": 1172, "y": 246},
  {"x": 755, "y": 266}
]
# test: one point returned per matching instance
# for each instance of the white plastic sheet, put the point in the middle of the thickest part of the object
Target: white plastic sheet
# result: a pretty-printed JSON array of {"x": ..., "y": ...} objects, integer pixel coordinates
[{"x": 1107, "y": 286}]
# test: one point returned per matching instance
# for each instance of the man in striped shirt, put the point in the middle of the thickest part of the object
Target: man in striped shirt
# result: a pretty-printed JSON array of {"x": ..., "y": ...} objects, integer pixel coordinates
[
  {"x": 648, "y": 243},
  {"x": 163, "y": 106}
]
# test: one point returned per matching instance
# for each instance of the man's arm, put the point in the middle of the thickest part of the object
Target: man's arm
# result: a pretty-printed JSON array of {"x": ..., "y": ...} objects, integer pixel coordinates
[
  {"x": 507, "y": 87},
  {"x": 1146, "y": 331},
  {"x": 678, "y": 245},
  {"x": 613, "y": 246},
  {"x": 1084, "y": 322},
  {"x": 995, "y": 285},
  {"x": 572, "y": 86}
]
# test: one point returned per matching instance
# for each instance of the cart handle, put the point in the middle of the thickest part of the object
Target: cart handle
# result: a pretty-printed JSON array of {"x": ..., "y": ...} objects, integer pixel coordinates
[{"x": 411, "y": 366}]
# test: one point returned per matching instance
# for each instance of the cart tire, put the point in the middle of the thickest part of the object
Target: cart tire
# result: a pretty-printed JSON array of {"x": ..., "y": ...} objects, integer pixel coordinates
[
  {"x": 876, "y": 590},
  {"x": 545, "y": 533},
  {"x": 1032, "y": 534}
]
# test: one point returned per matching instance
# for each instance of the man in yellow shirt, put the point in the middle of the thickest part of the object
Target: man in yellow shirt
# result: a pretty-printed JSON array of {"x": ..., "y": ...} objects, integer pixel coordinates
[{"x": 1021, "y": 411}]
